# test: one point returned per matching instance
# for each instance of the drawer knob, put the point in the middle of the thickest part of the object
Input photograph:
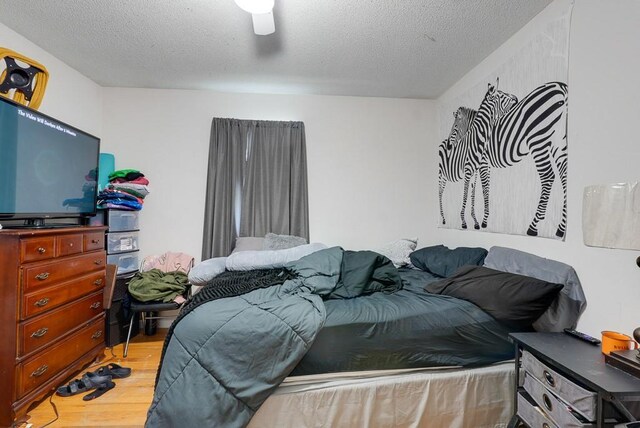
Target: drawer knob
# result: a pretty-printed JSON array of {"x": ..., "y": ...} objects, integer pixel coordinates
[
  {"x": 549, "y": 378},
  {"x": 71, "y": 244},
  {"x": 42, "y": 302},
  {"x": 97, "y": 281},
  {"x": 40, "y": 370},
  {"x": 95, "y": 241},
  {"x": 545, "y": 425},
  {"x": 97, "y": 334},
  {"x": 40, "y": 332},
  {"x": 95, "y": 305},
  {"x": 41, "y": 250},
  {"x": 547, "y": 402},
  {"x": 98, "y": 262},
  {"x": 42, "y": 276}
]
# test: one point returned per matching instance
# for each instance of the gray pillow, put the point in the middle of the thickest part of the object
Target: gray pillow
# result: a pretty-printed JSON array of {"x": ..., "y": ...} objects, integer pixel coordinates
[
  {"x": 248, "y": 243},
  {"x": 282, "y": 242},
  {"x": 571, "y": 301}
]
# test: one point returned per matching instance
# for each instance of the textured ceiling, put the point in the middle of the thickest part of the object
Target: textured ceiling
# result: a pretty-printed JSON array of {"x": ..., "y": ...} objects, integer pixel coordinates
[{"x": 386, "y": 48}]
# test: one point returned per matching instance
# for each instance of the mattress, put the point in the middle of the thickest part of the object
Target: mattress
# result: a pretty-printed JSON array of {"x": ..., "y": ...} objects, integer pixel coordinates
[{"x": 407, "y": 329}]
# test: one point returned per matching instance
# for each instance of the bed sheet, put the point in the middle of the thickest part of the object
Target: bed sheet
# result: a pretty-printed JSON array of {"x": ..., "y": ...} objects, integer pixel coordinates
[{"x": 407, "y": 329}]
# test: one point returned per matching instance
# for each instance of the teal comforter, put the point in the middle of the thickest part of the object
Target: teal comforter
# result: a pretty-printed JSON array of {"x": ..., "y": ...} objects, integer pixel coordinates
[{"x": 227, "y": 356}]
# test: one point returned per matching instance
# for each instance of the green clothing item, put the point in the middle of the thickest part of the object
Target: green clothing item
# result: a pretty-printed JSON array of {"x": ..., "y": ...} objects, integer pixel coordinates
[
  {"x": 122, "y": 173},
  {"x": 155, "y": 285}
]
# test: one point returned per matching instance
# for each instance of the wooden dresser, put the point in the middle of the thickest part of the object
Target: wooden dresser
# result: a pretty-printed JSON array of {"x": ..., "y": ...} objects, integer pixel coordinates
[{"x": 51, "y": 314}]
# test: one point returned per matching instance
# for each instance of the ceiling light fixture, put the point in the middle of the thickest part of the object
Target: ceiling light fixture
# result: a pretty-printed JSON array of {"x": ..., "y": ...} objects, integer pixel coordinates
[{"x": 262, "y": 14}]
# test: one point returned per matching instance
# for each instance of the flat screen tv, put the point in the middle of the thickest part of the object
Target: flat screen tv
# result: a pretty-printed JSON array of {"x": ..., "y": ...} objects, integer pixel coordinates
[{"x": 48, "y": 169}]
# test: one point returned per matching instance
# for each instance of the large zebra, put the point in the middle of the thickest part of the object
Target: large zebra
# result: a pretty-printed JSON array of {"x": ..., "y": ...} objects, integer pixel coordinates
[
  {"x": 462, "y": 153},
  {"x": 528, "y": 129}
]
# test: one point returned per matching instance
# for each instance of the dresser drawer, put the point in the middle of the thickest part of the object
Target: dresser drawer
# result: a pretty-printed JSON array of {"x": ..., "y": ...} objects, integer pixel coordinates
[
  {"x": 531, "y": 414},
  {"x": 44, "y": 329},
  {"x": 93, "y": 241},
  {"x": 34, "y": 249},
  {"x": 47, "y": 364},
  {"x": 67, "y": 245},
  {"x": 579, "y": 398},
  {"x": 45, "y": 299},
  {"x": 45, "y": 274},
  {"x": 552, "y": 406}
]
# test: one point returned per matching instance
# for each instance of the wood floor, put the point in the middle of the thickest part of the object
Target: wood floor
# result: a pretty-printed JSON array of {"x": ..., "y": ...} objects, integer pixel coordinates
[{"x": 124, "y": 406}]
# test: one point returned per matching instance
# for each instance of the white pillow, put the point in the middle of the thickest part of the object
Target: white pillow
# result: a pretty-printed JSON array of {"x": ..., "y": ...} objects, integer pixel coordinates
[
  {"x": 205, "y": 271},
  {"x": 398, "y": 251},
  {"x": 248, "y": 260}
]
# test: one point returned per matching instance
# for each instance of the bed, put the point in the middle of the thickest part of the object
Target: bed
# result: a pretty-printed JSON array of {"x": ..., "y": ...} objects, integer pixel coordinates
[
  {"x": 389, "y": 357},
  {"x": 406, "y": 329},
  {"x": 443, "y": 397}
]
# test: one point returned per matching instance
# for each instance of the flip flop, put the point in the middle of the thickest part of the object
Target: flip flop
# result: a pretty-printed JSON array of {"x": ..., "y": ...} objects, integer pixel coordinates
[
  {"x": 101, "y": 389},
  {"x": 113, "y": 370},
  {"x": 87, "y": 382}
]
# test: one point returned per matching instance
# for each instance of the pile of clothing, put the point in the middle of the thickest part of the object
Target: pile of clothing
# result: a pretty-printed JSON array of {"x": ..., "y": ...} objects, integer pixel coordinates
[
  {"x": 126, "y": 190},
  {"x": 162, "y": 277}
]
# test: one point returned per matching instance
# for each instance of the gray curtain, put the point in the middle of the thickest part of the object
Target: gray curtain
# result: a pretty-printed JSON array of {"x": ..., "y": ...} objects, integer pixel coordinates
[{"x": 256, "y": 182}]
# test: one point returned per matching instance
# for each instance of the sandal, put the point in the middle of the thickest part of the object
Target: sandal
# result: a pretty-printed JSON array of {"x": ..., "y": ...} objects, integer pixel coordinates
[
  {"x": 101, "y": 389},
  {"x": 113, "y": 370},
  {"x": 87, "y": 382}
]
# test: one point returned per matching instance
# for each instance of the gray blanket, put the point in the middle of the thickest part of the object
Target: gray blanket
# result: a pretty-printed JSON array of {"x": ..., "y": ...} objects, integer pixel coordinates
[{"x": 227, "y": 356}]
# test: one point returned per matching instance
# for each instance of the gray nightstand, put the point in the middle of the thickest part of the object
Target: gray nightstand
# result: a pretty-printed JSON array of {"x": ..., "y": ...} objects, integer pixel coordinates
[{"x": 567, "y": 384}]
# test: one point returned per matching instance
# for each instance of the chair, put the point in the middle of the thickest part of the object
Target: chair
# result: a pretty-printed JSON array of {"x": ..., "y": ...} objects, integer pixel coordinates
[
  {"x": 110, "y": 286},
  {"x": 167, "y": 262}
]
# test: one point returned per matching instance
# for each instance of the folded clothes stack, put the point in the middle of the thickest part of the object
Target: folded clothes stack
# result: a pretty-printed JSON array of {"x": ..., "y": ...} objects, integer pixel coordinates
[{"x": 126, "y": 190}]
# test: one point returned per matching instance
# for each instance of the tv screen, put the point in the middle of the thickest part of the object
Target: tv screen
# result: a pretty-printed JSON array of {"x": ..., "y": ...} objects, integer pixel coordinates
[{"x": 48, "y": 169}]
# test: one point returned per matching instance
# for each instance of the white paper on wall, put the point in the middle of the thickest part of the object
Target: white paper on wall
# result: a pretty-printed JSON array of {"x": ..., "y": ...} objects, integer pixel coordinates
[{"x": 611, "y": 216}]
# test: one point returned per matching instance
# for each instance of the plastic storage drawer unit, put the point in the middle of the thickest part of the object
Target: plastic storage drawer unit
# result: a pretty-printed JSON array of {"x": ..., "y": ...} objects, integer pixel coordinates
[
  {"x": 120, "y": 220},
  {"x": 126, "y": 262},
  {"x": 122, "y": 242}
]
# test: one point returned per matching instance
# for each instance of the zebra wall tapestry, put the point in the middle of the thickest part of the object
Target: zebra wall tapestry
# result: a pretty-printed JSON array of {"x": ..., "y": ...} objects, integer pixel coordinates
[{"x": 507, "y": 143}]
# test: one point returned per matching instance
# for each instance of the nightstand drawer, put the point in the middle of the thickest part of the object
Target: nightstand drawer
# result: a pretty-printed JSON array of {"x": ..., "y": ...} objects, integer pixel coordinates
[
  {"x": 552, "y": 406},
  {"x": 578, "y": 398},
  {"x": 531, "y": 414}
]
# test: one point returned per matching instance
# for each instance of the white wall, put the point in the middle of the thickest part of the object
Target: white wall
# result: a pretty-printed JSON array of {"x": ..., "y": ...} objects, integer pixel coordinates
[
  {"x": 604, "y": 89},
  {"x": 70, "y": 96},
  {"x": 366, "y": 160},
  {"x": 373, "y": 162}
]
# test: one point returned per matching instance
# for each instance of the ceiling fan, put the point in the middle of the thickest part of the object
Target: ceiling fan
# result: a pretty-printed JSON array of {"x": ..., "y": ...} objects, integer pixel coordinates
[{"x": 262, "y": 14}]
